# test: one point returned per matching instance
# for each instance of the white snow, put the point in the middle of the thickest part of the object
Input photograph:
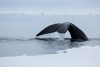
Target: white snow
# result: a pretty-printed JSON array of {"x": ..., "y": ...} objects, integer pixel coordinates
[{"x": 76, "y": 57}]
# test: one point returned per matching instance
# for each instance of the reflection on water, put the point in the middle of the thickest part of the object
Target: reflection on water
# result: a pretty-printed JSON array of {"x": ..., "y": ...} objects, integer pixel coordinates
[{"x": 18, "y": 47}]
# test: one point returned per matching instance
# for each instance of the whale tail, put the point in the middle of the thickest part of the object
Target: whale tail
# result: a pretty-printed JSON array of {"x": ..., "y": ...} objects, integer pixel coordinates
[
  {"x": 49, "y": 29},
  {"x": 75, "y": 32}
]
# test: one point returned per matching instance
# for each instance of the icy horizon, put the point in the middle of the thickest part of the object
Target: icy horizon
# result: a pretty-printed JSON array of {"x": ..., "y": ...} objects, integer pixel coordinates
[
  {"x": 61, "y": 6},
  {"x": 46, "y": 13}
]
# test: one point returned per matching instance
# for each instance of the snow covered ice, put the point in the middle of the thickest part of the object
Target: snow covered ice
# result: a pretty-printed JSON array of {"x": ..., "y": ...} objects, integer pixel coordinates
[{"x": 52, "y": 53}]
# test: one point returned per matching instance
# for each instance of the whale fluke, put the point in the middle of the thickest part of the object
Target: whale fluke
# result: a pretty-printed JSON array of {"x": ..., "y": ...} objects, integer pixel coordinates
[
  {"x": 75, "y": 32},
  {"x": 49, "y": 29}
]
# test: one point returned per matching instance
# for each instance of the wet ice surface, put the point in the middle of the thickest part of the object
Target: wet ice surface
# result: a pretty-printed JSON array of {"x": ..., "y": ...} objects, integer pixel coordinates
[
  {"x": 49, "y": 52},
  {"x": 12, "y": 47}
]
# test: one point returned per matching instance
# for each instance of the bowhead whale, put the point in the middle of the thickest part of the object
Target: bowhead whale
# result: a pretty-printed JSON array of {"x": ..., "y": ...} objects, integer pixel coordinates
[{"x": 75, "y": 32}]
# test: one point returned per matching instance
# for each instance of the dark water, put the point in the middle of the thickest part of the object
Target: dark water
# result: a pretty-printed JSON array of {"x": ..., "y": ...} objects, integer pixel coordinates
[{"x": 17, "y": 47}]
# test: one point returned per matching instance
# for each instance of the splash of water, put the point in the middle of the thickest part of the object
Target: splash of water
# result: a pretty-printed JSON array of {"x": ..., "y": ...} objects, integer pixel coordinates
[{"x": 61, "y": 36}]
